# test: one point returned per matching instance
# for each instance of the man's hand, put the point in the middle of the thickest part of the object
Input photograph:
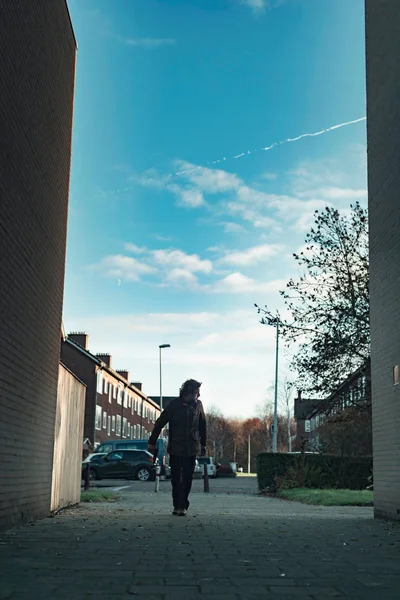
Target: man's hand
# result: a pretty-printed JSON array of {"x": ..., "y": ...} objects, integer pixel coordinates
[
  {"x": 151, "y": 448},
  {"x": 203, "y": 451}
]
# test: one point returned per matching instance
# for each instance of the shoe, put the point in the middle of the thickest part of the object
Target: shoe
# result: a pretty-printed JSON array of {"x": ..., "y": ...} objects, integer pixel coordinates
[
  {"x": 175, "y": 512},
  {"x": 182, "y": 513}
]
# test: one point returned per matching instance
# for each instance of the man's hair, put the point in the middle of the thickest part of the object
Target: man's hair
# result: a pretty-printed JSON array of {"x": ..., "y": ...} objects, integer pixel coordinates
[{"x": 189, "y": 388}]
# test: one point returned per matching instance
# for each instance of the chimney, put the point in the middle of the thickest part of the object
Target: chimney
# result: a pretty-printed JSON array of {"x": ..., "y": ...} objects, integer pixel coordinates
[
  {"x": 124, "y": 374},
  {"x": 105, "y": 358},
  {"x": 81, "y": 338},
  {"x": 137, "y": 384}
]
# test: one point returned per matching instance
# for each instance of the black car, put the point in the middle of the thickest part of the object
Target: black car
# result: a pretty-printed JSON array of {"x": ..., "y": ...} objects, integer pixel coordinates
[{"x": 122, "y": 464}]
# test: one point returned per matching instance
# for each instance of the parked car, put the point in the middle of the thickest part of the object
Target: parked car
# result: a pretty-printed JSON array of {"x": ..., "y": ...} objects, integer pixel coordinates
[
  {"x": 211, "y": 466},
  {"x": 122, "y": 464},
  {"x": 226, "y": 469},
  {"x": 96, "y": 455},
  {"x": 198, "y": 470},
  {"x": 141, "y": 444}
]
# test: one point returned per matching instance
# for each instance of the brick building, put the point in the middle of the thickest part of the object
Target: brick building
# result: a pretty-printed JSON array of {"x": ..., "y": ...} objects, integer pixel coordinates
[
  {"x": 37, "y": 66},
  {"x": 383, "y": 127},
  {"x": 348, "y": 403},
  {"x": 302, "y": 409},
  {"x": 115, "y": 407}
]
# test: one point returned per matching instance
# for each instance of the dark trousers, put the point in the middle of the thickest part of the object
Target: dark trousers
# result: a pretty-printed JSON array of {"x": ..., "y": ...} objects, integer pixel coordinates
[{"x": 182, "y": 468}]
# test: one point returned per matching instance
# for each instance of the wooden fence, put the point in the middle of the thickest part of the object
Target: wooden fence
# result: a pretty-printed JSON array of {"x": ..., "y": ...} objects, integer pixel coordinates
[{"x": 67, "y": 460}]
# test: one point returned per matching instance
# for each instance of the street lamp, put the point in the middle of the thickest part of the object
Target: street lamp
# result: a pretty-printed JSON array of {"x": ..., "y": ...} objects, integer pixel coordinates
[
  {"x": 160, "y": 349},
  {"x": 269, "y": 319}
]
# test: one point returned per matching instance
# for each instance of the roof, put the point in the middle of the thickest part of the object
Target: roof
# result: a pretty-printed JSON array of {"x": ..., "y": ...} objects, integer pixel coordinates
[
  {"x": 111, "y": 371},
  {"x": 303, "y": 407},
  {"x": 345, "y": 384}
]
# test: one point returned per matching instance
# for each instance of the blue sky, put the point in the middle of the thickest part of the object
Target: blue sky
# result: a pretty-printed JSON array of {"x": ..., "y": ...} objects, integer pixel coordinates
[{"x": 166, "y": 245}]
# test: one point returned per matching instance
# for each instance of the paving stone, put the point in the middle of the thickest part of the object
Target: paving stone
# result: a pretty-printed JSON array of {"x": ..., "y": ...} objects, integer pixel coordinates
[{"x": 234, "y": 546}]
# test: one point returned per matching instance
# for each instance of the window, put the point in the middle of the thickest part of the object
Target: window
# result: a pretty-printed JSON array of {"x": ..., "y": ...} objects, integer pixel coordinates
[
  {"x": 105, "y": 386},
  {"x": 133, "y": 405},
  {"x": 307, "y": 426},
  {"x": 108, "y": 425},
  {"x": 396, "y": 379},
  {"x": 128, "y": 433},
  {"x": 124, "y": 427},
  {"x": 115, "y": 456},
  {"x": 139, "y": 412},
  {"x": 118, "y": 427},
  {"x": 114, "y": 391},
  {"x": 98, "y": 417},
  {"x": 104, "y": 420},
  {"x": 110, "y": 393},
  {"x": 134, "y": 431},
  {"x": 106, "y": 448},
  {"x": 119, "y": 396},
  {"x": 113, "y": 423},
  {"x": 99, "y": 382}
]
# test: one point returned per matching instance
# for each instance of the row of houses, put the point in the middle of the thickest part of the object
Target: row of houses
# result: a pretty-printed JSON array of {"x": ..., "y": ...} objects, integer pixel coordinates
[
  {"x": 313, "y": 414},
  {"x": 115, "y": 407}
]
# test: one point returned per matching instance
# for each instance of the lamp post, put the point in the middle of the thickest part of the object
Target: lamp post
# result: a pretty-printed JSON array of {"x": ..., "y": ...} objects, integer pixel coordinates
[
  {"x": 161, "y": 347},
  {"x": 269, "y": 319}
]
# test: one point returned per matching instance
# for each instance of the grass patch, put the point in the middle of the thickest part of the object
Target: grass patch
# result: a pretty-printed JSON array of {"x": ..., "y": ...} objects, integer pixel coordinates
[
  {"x": 98, "y": 496},
  {"x": 329, "y": 497}
]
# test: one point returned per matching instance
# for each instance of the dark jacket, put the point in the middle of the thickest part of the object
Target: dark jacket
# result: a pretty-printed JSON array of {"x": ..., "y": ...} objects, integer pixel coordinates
[{"x": 187, "y": 427}]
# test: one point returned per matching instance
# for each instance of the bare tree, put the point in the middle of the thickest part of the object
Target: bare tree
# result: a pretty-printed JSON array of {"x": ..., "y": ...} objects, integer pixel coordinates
[{"x": 329, "y": 302}]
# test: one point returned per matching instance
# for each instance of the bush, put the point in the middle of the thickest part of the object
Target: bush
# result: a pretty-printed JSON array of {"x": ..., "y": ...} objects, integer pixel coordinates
[{"x": 321, "y": 471}]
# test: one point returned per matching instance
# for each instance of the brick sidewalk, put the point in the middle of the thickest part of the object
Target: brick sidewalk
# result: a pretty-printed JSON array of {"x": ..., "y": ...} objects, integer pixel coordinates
[{"x": 231, "y": 547}]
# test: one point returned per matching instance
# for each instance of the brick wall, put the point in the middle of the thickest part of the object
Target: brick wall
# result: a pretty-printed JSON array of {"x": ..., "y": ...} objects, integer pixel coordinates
[
  {"x": 37, "y": 66},
  {"x": 85, "y": 369},
  {"x": 383, "y": 102}
]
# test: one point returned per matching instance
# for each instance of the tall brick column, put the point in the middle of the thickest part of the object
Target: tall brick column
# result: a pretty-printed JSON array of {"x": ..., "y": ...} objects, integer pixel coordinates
[
  {"x": 383, "y": 102},
  {"x": 37, "y": 72}
]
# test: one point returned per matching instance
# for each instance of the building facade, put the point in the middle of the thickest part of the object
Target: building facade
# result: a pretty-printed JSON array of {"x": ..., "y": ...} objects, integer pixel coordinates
[
  {"x": 341, "y": 424},
  {"x": 37, "y": 66},
  {"x": 115, "y": 407},
  {"x": 383, "y": 126}
]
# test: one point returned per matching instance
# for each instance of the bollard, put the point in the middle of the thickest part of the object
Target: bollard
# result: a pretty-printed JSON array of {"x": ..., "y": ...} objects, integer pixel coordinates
[
  {"x": 206, "y": 480},
  {"x": 87, "y": 477},
  {"x": 158, "y": 472}
]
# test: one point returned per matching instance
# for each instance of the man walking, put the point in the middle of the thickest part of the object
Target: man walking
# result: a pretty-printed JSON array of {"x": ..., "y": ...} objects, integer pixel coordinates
[{"x": 187, "y": 439}]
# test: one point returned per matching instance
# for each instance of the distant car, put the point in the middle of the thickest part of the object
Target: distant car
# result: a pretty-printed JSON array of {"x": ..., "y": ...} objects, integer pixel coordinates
[
  {"x": 211, "y": 466},
  {"x": 198, "y": 470},
  {"x": 226, "y": 469},
  {"x": 122, "y": 464}
]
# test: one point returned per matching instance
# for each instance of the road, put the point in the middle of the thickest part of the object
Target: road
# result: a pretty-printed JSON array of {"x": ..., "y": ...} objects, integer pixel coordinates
[{"x": 220, "y": 485}]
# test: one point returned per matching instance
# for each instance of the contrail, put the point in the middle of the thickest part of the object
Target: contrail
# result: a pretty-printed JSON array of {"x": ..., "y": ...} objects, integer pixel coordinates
[{"x": 247, "y": 152}]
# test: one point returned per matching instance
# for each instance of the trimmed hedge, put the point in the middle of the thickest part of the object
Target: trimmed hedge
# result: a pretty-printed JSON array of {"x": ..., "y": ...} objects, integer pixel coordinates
[{"x": 348, "y": 472}]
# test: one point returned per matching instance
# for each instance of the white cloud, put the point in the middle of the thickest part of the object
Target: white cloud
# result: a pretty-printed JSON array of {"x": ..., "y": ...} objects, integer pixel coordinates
[
  {"x": 209, "y": 181},
  {"x": 191, "y": 198},
  {"x": 178, "y": 259},
  {"x": 230, "y": 227},
  {"x": 149, "y": 43},
  {"x": 251, "y": 256},
  {"x": 257, "y": 6},
  {"x": 182, "y": 276},
  {"x": 237, "y": 283},
  {"x": 123, "y": 267},
  {"x": 135, "y": 249}
]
